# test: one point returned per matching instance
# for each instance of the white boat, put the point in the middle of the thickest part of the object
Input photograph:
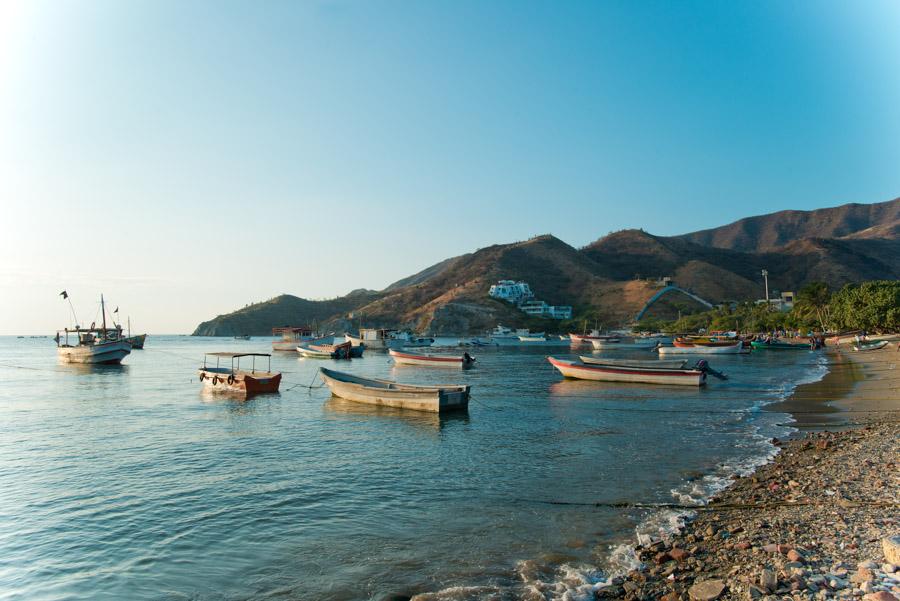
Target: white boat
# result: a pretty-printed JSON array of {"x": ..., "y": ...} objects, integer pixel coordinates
[
  {"x": 435, "y": 399},
  {"x": 533, "y": 338},
  {"x": 649, "y": 363},
  {"x": 378, "y": 339},
  {"x": 404, "y": 358},
  {"x": 637, "y": 375},
  {"x": 870, "y": 346},
  {"x": 735, "y": 348},
  {"x": 623, "y": 343},
  {"x": 98, "y": 346},
  {"x": 291, "y": 337},
  {"x": 408, "y": 340},
  {"x": 503, "y": 333}
]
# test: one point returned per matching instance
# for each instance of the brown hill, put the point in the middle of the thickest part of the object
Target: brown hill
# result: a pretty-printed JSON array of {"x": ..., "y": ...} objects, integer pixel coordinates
[
  {"x": 769, "y": 232},
  {"x": 610, "y": 279}
]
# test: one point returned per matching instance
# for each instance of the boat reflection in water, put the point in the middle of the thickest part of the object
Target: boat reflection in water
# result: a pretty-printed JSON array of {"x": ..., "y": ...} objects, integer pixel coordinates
[{"x": 435, "y": 422}]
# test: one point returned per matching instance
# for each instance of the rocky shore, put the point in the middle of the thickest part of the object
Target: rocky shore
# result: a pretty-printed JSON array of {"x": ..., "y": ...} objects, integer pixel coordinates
[{"x": 821, "y": 521}]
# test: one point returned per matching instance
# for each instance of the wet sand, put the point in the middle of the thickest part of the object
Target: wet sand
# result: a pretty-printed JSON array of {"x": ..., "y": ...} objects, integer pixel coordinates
[{"x": 810, "y": 524}]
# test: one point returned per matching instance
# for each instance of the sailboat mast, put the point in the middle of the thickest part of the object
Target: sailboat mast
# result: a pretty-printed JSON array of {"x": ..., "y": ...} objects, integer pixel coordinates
[
  {"x": 129, "y": 326},
  {"x": 103, "y": 310}
]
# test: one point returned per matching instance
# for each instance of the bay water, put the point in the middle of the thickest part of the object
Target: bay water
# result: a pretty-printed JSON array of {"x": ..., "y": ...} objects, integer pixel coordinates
[{"x": 129, "y": 482}]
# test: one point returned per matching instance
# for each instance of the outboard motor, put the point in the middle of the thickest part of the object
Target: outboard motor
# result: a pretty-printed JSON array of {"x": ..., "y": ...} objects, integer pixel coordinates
[
  {"x": 467, "y": 358},
  {"x": 703, "y": 366}
]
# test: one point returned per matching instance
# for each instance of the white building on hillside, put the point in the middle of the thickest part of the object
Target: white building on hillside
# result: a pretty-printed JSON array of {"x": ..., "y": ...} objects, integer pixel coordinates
[
  {"x": 511, "y": 292},
  {"x": 538, "y": 308}
]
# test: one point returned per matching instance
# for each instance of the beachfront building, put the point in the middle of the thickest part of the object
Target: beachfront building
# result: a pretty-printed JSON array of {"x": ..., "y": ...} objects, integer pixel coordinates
[
  {"x": 539, "y": 308},
  {"x": 511, "y": 292},
  {"x": 784, "y": 302}
]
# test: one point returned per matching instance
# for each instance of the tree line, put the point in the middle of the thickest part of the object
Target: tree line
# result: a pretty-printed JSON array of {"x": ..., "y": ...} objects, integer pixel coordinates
[{"x": 873, "y": 306}]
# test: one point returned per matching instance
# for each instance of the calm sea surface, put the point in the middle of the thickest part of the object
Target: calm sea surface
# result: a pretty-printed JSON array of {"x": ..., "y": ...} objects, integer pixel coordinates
[{"x": 129, "y": 483}]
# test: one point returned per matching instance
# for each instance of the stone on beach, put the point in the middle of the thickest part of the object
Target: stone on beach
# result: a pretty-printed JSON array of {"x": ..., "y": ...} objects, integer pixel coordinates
[
  {"x": 891, "y": 547},
  {"x": 707, "y": 590},
  {"x": 880, "y": 596}
]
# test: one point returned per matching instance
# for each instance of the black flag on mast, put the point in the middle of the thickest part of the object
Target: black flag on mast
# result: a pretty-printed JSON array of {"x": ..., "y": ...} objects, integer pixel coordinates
[
  {"x": 117, "y": 310},
  {"x": 64, "y": 294}
]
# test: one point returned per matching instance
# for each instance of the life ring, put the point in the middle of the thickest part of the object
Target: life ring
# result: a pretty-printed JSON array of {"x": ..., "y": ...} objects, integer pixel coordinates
[
  {"x": 202, "y": 376},
  {"x": 230, "y": 379},
  {"x": 215, "y": 380}
]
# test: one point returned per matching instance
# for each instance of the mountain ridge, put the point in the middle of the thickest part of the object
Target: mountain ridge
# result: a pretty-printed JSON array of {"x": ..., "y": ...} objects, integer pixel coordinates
[{"x": 611, "y": 278}]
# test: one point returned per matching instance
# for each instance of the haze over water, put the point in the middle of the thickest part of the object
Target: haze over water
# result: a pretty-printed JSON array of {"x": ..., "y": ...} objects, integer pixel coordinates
[{"x": 129, "y": 483}]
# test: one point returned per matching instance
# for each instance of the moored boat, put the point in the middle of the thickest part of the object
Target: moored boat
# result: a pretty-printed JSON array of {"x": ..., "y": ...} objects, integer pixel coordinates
[
  {"x": 623, "y": 343},
  {"x": 733, "y": 348},
  {"x": 532, "y": 338},
  {"x": 242, "y": 337},
  {"x": 291, "y": 337},
  {"x": 435, "y": 399},
  {"x": 633, "y": 374},
  {"x": 235, "y": 380},
  {"x": 648, "y": 363},
  {"x": 503, "y": 333},
  {"x": 136, "y": 341},
  {"x": 96, "y": 346},
  {"x": 779, "y": 345},
  {"x": 327, "y": 351},
  {"x": 711, "y": 342},
  {"x": 406, "y": 358}
]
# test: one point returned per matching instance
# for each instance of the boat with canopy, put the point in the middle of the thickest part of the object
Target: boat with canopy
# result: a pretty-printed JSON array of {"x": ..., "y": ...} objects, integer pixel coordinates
[{"x": 234, "y": 379}]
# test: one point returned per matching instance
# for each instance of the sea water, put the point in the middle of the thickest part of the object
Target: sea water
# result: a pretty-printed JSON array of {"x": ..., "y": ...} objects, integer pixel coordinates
[{"x": 130, "y": 482}]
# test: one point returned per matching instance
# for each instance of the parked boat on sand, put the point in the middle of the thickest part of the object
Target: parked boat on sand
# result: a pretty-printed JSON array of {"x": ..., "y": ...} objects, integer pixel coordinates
[
  {"x": 779, "y": 345},
  {"x": 405, "y": 358},
  {"x": 436, "y": 399},
  {"x": 635, "y": 374},
  {"x": 234, "y": 379},
  {"x": 870, "y": 346}
]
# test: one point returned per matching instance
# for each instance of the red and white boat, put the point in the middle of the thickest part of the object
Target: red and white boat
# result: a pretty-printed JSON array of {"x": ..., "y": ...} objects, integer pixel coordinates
[
  {"x": 404, "y": 358},
  {"x": 635, "y": 374},
  {"x": 236, "y": 380}
]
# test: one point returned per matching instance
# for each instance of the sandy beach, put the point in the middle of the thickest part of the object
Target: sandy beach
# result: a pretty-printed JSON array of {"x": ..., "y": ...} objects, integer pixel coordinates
[{"x": 812, "y": 523}]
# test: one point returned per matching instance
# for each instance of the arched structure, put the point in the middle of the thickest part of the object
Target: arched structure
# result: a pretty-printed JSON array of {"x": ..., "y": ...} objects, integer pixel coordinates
[{"x": 666, "y": 290}]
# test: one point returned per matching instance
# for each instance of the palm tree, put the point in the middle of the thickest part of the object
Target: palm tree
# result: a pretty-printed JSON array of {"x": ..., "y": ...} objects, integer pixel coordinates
[{"x": 812, "y": 303}]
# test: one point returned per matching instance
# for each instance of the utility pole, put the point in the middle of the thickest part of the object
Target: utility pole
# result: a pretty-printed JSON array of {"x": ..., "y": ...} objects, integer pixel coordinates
[{"x": 765, "y": 274}]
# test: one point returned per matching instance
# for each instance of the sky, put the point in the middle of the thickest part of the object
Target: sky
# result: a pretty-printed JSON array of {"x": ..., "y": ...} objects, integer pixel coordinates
[{"x": 188, "y": 157}]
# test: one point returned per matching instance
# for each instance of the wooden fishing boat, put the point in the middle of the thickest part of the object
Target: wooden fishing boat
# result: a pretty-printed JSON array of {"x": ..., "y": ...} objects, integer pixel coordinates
[
  {"x": 623, "y": 343},
  {"x": 696, "y": 349},
  {"x": 540, "y": 338},
  {"x": 326, "y": 351},
  {"x": 405, "y": 358},
  {"x": 646, "y": 363},
  {"x": 638, "y": 375},
  {"x": 136, "y": 341},
  {"x": 779, "y": 345},
  {"x": 235, "y": 380},
  {"x": 96, "y": 346},
  {"x": 376, "y": 339},
  {"x": 870, "y": 346},
  {"x": 435, "y": 399},
  {"x": 291, "y": 337},
  {"x": 712, "y": 342}
]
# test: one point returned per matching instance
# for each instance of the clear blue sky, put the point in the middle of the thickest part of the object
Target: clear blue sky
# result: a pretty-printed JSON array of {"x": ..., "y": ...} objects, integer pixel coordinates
[{"x": 189, "y": 157}]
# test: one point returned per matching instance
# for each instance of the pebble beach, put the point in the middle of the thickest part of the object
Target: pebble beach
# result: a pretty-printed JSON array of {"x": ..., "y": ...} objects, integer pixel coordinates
[{"x": 821, "y": 521}]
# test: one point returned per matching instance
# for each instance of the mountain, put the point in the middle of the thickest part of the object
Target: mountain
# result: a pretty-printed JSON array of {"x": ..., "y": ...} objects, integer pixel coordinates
[
  {"x": 258, "y": 319},
  {"x": 610, "y": 279},
  {"x": 772, "y": 231}
]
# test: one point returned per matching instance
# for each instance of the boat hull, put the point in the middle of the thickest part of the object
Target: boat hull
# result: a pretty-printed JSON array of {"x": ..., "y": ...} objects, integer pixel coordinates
[
  {"x": 863, "y": 347},
  {"x": 401, "y": 358},
  {"x": 647, "y": 363},
  {"x": 779, "y": 346},
  {"x": 432, "y": 399},
  {"x": 240, "y": 382},
  {"x": 105, "y": 353},
  {"x": 701, "y": 350},
  {"x": 635, "y": 375},
  {"x": 136, "y": 342},
  {"x": 599, "y": 345}
]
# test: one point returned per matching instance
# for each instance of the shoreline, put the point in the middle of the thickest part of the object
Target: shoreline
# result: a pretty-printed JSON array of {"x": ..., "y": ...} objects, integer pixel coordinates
[{"x": 807, "y": 525}]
